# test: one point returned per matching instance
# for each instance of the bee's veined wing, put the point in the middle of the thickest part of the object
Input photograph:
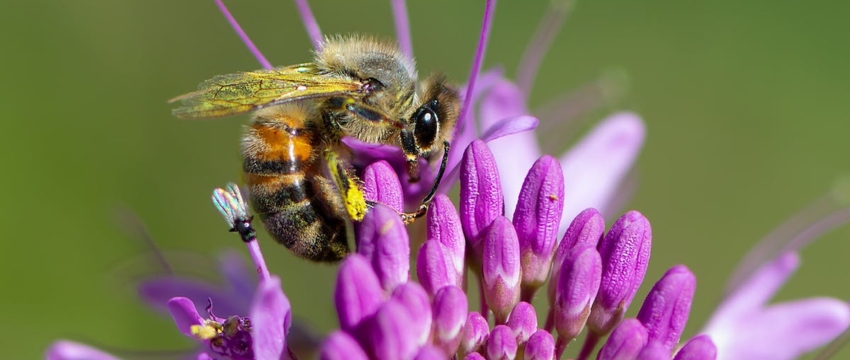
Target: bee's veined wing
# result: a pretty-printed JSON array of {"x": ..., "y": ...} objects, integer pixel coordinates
[{"x": 234, "y": 94}]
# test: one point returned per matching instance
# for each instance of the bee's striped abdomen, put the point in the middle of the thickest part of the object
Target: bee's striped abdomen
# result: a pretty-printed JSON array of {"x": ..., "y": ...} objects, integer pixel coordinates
[{"x": 296, "y": 204}]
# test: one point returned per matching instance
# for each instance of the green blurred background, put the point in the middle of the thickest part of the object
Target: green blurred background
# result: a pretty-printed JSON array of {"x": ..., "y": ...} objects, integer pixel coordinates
[{"x": 744, "y": 103}]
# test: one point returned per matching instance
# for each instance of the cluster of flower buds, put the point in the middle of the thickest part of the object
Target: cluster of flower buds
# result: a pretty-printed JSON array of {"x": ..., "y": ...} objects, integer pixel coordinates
[{"x": 592, "y": 277}]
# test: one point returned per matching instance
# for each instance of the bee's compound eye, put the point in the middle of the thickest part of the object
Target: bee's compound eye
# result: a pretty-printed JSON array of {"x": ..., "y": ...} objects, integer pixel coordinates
[{"x": 427, "y": 126}]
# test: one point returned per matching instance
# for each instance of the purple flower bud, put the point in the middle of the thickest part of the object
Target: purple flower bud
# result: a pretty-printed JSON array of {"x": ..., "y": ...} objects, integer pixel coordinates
[
  {"x": 500, "y": 268},
  {"x": 625, "y": 256},
  {"x": 481, "y": 199},
  {"x": 699, "y": 348},
  {"x": 540, "y": 346},
  {"x": 381, "y": 185},
  {"x": 502, "y": 344},
  {"x": 474, "y": 356},
  {"x": 434, "y": 267},
  {"x": 537, "y": 218},
  {"x": 341, "y": 346},
  {"x": 358, "y": 292},
  {"x": 578, "y": 284},
  {"x": 430, "y": 352},
  {"x": 625, "y": 342},
  {"x": 654, "y": 350},
  {"x": 665, "y": 311},
  {"x": 523, "y": 321},
  {"x": 388, "y": 334},
  {"x": 585, "y": 231},
  {"x": 384, "y": 241},
  {"x": 475, "y": 333},
  {"x": 450, "y": 314},
  {"x": 444, "y": 226},
  {"x": 418, "y": 305}
]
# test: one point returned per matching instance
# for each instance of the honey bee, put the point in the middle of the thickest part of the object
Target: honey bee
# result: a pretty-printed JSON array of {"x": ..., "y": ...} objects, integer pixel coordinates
[{"x": 300, "y": 181}]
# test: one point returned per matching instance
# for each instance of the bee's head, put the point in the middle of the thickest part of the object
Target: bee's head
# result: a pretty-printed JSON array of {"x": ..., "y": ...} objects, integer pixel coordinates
[{"x": 431, "y": 124}]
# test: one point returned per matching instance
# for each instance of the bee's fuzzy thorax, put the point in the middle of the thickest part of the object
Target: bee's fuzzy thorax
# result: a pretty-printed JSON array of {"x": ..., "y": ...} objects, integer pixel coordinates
[{"x": 358, "y": 51}]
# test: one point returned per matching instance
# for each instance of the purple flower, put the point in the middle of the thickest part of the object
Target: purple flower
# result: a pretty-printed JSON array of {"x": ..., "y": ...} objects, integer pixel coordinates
[
  {"x": 384, "y": 314},
  {"x": 746, "y": 326}
]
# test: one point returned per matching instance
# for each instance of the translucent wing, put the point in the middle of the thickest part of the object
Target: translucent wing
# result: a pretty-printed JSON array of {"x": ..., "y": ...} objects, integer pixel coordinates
[{"x": 233, "y": 94}]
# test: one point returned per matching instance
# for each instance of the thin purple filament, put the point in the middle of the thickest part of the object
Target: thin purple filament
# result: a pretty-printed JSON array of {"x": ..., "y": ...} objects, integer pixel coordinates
[{"x": 245, "y": 39}]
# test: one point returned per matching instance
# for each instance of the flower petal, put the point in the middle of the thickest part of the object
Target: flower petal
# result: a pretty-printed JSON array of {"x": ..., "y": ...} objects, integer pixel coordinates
[
  {"x": 239, "y": 276},
  {"x": 594, "y": 167},
  {"x": 185, "y": 314},
  {"x": 70, "y": 350},
  {"x": 512, "y": 126},
  {"x": 156, "y": 293},
  {"x": 756, "y": 291},
  {"x": 783, "y": 331},
  {"x": 271, "y": 318},
  {"x": 503, "y": 105}
]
